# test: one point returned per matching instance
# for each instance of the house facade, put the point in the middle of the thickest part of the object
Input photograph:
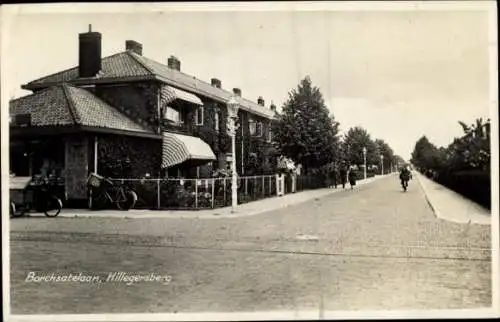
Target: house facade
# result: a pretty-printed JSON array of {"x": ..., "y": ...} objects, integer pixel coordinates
[{"x": 128, "y": 116}]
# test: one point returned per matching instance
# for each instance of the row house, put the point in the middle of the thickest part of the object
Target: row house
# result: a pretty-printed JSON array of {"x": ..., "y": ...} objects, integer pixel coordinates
[{"x": 129, "y": 116}]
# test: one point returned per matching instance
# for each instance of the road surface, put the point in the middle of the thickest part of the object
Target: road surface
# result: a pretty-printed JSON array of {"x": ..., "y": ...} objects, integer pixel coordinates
[{"x": 371, "y": 248}]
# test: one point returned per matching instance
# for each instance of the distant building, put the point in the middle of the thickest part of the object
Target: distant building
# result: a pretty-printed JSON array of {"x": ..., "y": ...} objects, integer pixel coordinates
[{"x": 128, "y": 115}]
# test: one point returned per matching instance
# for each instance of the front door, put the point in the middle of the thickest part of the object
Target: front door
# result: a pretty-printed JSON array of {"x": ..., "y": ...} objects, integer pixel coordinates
[{"x": 76, "y": 170}]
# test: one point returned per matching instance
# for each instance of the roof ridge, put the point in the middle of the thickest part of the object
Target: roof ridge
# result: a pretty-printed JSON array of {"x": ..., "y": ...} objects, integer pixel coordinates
[
  {"x": 222, "y": 90},
  {"x": 51, "y": 75},
  {"x": 34, "y": 93},
  {"x": 156, "y": 70},
  {"x": 174, "y": 70},
  {"x": 137, "y": 60},
  {"x": 72, "y": 109},
  {"x": 187, "y": 75}
]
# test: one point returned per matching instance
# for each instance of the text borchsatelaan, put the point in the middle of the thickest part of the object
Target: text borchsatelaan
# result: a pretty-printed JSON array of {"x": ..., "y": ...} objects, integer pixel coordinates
[{"x": 34, "y": 277}]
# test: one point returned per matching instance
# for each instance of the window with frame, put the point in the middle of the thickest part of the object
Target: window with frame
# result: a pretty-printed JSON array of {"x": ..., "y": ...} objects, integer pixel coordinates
[
  {"x": 173, "y": 115},
  {"x": 258, "y": 129},
  {"x": 252, "y": 126},
  {"x": 199, "y": 115},
  {"x": 269, "y": 134},
  {"x": 216, "y": 121}
]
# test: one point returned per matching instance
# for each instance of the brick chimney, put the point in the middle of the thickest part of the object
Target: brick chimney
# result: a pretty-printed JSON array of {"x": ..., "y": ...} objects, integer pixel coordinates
[
  {"x": 260, "y": 101},
  {"x": 272, "y": 107},
  {"x": 89, "y": 61},
  {"x": 237, "y": 91},
  {"x": 174, "y": 63},
  {"x": 216, "y": 82},
  {"x": 133, "y": 46}
]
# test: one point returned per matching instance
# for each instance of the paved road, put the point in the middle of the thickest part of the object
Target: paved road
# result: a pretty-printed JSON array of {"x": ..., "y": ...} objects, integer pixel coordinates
[{"x": 371, "y": 248}]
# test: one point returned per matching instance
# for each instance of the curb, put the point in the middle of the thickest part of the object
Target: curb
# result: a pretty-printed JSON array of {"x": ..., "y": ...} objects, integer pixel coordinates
[
  {"x": 474, "y": 218},
  {"x": 426, "y": 196},
  {"x": 317, "y": 197}
]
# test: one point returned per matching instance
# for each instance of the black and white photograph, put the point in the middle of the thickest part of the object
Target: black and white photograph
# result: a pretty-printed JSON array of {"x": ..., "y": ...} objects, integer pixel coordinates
[{"x": 249, "y": 161}]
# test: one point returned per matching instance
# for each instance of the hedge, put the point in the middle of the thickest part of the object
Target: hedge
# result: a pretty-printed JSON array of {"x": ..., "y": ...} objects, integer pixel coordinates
[{"x": 474, "y": 185}]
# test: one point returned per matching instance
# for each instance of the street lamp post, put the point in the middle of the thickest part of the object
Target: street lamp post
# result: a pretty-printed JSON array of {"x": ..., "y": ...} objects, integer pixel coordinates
[
  {"x": 364, "y": 160},
  {"x": 232, "y": 117},
  {"x": 382, "y": 163}
]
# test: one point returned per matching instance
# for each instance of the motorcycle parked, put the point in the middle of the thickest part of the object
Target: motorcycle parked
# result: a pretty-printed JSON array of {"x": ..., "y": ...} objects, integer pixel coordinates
[{"x": 28, "y": 195}]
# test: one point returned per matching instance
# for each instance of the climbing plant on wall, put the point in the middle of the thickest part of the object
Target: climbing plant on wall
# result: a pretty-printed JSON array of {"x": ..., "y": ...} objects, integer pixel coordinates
[
  {"x": 260, "y": 156},
  {"x": 128, "y": 157}
]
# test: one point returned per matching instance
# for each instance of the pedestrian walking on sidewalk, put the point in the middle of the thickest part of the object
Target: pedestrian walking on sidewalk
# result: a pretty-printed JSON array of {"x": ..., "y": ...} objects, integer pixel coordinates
[
  {"x": 352, "y": 177},
  {"x": 343, "y": 174},
  {"x": 332, "y": 176},
  {"x": 335, "y": 175}
]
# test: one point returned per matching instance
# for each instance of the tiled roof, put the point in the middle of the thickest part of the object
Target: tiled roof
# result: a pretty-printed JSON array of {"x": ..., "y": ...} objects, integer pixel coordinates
[
  {"x": 47, "y": 107},
  {"x": 190, "y": 83},
  {"x": 128, "y": 64},
  {"x": 68, "y": 105},
  {"x": 90, "y": 110},
  {"x": 115, "y": 66}
]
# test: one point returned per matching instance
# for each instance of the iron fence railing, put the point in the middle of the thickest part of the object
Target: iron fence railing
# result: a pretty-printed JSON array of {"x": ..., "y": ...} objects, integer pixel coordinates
[
  {"x": 198, "y": 193},
  {"x": 308, "y": 182}
]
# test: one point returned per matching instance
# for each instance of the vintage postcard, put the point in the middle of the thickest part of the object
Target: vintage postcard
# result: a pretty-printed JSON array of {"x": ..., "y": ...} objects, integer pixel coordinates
[{"x": 250, "y": 161}]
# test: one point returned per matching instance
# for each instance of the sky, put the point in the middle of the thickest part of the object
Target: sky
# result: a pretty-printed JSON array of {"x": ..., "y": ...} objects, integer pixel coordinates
[{"x": 398, "y": 74}]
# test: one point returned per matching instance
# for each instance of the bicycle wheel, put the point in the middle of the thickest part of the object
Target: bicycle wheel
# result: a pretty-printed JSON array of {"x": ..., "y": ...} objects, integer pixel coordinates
[
  {"x": 98, "y": 200},
  {"x": 14, "y": 212},
  {"x": 53, "y": 207},
  {"x": 126, "y": 199}
]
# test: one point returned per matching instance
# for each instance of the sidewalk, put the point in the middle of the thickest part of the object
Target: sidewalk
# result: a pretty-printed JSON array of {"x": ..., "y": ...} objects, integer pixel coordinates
[
  {"x": 247, "y": 209},
  {"x": 451, "y": 206}
]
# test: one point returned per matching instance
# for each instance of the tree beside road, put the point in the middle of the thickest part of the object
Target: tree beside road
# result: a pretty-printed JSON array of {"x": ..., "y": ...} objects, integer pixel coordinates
[
  {"x": 306, "y": 132},
  {"x": 464, "y": 165}
]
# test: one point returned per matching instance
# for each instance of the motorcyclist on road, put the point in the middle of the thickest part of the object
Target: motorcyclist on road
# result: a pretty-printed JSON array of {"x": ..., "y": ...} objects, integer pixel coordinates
[{"x": 405, "y": 176}]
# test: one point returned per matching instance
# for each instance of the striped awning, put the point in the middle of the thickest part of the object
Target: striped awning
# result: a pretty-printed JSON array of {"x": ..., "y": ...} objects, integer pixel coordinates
[
  {"x": 178, "y": 148},
  {"x": 170, "y": 94}
]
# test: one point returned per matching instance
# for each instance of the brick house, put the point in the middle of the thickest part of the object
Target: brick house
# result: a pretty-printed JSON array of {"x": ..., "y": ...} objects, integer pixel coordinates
[{"x": 126, "y": 115}]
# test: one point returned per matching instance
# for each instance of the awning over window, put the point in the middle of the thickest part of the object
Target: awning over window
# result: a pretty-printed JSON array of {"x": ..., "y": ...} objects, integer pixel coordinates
[
  {"x": 178, "y": 148},
  {"x": 169, "y": 94}
]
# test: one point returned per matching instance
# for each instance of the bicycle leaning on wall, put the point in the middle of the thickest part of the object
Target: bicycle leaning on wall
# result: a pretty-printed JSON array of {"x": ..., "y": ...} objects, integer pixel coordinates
[{"x": 105, "y": 192}]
